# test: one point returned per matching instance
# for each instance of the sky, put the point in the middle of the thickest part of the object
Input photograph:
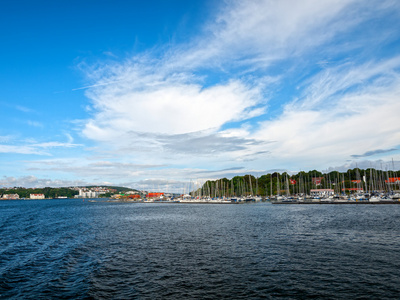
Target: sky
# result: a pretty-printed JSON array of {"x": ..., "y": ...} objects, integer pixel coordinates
[{"x": 158, "y": 94}]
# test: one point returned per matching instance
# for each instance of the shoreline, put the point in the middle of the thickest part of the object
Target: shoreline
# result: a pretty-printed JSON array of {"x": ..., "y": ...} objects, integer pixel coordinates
[
  {"x": 335, "y": 203},
  {"x": 213, "y": 202}
]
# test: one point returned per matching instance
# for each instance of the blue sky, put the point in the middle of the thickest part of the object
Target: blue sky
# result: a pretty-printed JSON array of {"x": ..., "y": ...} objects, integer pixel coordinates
[{"x": 154, "y": 94}]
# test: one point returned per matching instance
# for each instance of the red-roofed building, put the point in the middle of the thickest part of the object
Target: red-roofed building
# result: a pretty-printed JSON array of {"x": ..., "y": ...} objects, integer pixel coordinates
[{"x": 154, "y": 195}]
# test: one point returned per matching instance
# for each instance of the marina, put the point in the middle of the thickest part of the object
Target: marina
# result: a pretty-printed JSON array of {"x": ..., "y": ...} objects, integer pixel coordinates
[{"x": 356, "y": 186}]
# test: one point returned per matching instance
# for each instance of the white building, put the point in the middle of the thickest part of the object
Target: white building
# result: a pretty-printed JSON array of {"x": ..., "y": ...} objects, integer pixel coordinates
[
  {"x": 36, "y": 196},
  {"x": 322, "y": 192},
  {"x": 131, "y": 193},
  {"x": 88, "y": 194},
  {"x": 10, "y": 196}
]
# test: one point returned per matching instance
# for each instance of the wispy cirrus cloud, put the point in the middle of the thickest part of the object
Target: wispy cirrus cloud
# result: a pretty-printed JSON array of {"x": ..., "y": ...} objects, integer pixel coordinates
[
  {"x": 256, "y": 35},
  {"x": 35, "y": 124},
  {"x": 23, "y": 149},
  {"x": 34, "y": 148},
  {"x": 331, "y": 126},
  {"x": 5, "y": 138},
  {"x": 350, "y": 78},
  {"x": 24, "y": 109}
]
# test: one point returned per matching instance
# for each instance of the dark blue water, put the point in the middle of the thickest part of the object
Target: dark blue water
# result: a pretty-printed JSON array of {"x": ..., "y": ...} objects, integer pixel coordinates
[{"x": 57, "y": 249}]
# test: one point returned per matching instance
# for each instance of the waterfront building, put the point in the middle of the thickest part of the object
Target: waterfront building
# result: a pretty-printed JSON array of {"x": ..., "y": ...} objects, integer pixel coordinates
[
  {"x": 36, "y": 196},
  {"x": 155, "y": 195},
  {"x": 10, "y": 196},
  {"x": 322, "y": 192},
  {"x": 84, "y": 193},
  {"x": 132, "y": 193}
]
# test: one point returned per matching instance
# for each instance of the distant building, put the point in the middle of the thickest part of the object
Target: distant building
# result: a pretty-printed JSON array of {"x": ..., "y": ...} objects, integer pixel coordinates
[
  {"x": 132, "y": 193},
  {"x": 154, "y": 195},
  {"x": 88, "y": 194},
  {"x": 10, "y": 196},
  {"x": 322, "y": 192},
  {"x": 36, "y": 196}
]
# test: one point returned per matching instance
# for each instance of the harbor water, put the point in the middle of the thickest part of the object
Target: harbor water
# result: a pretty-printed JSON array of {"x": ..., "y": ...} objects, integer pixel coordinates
[{"x": 75, "y": 249}]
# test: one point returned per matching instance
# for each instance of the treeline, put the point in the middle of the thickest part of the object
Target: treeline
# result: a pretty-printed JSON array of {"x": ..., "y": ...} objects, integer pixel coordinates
[
  {"x": 47, "y": 191},
  {"x": 300, "y": 183}
]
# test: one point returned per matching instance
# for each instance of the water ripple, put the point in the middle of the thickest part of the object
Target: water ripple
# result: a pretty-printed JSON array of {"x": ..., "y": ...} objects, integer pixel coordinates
[{"x": 69, "y": 249}]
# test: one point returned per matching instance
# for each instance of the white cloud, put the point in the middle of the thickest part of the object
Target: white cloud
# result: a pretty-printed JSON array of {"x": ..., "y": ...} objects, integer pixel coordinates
[
  {"x": 371, "y": 77},
  {"x": 172, "y": 108},
  {"x": 94, "y": 170},
  {"x": 257, "y": 34},
  {"x": 55, "y": 144},
  {"x": 35, "y": 182},
  {"x": 31, "y": 147},
  {"x": 329, "y": 126},
  {"x": 166, "y": 108},
  {"x": 23, "y": 149},
  {"x": 277, "y": 25},
  {"x": 365, "y": 164},
  {"x": 5, "y": 138}
]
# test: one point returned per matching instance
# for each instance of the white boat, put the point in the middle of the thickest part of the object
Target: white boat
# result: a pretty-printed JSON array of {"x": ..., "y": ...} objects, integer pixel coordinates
[
  {"x": 395, "y": 196},
  {"x": 375, "y": 199}
]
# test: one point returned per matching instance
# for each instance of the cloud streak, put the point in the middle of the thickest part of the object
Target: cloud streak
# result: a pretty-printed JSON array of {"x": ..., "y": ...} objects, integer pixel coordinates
[
  {"x": 374, "y": 152},
  {"x": 35, "y": 182},
  {"x": 34, "y": 148}
]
